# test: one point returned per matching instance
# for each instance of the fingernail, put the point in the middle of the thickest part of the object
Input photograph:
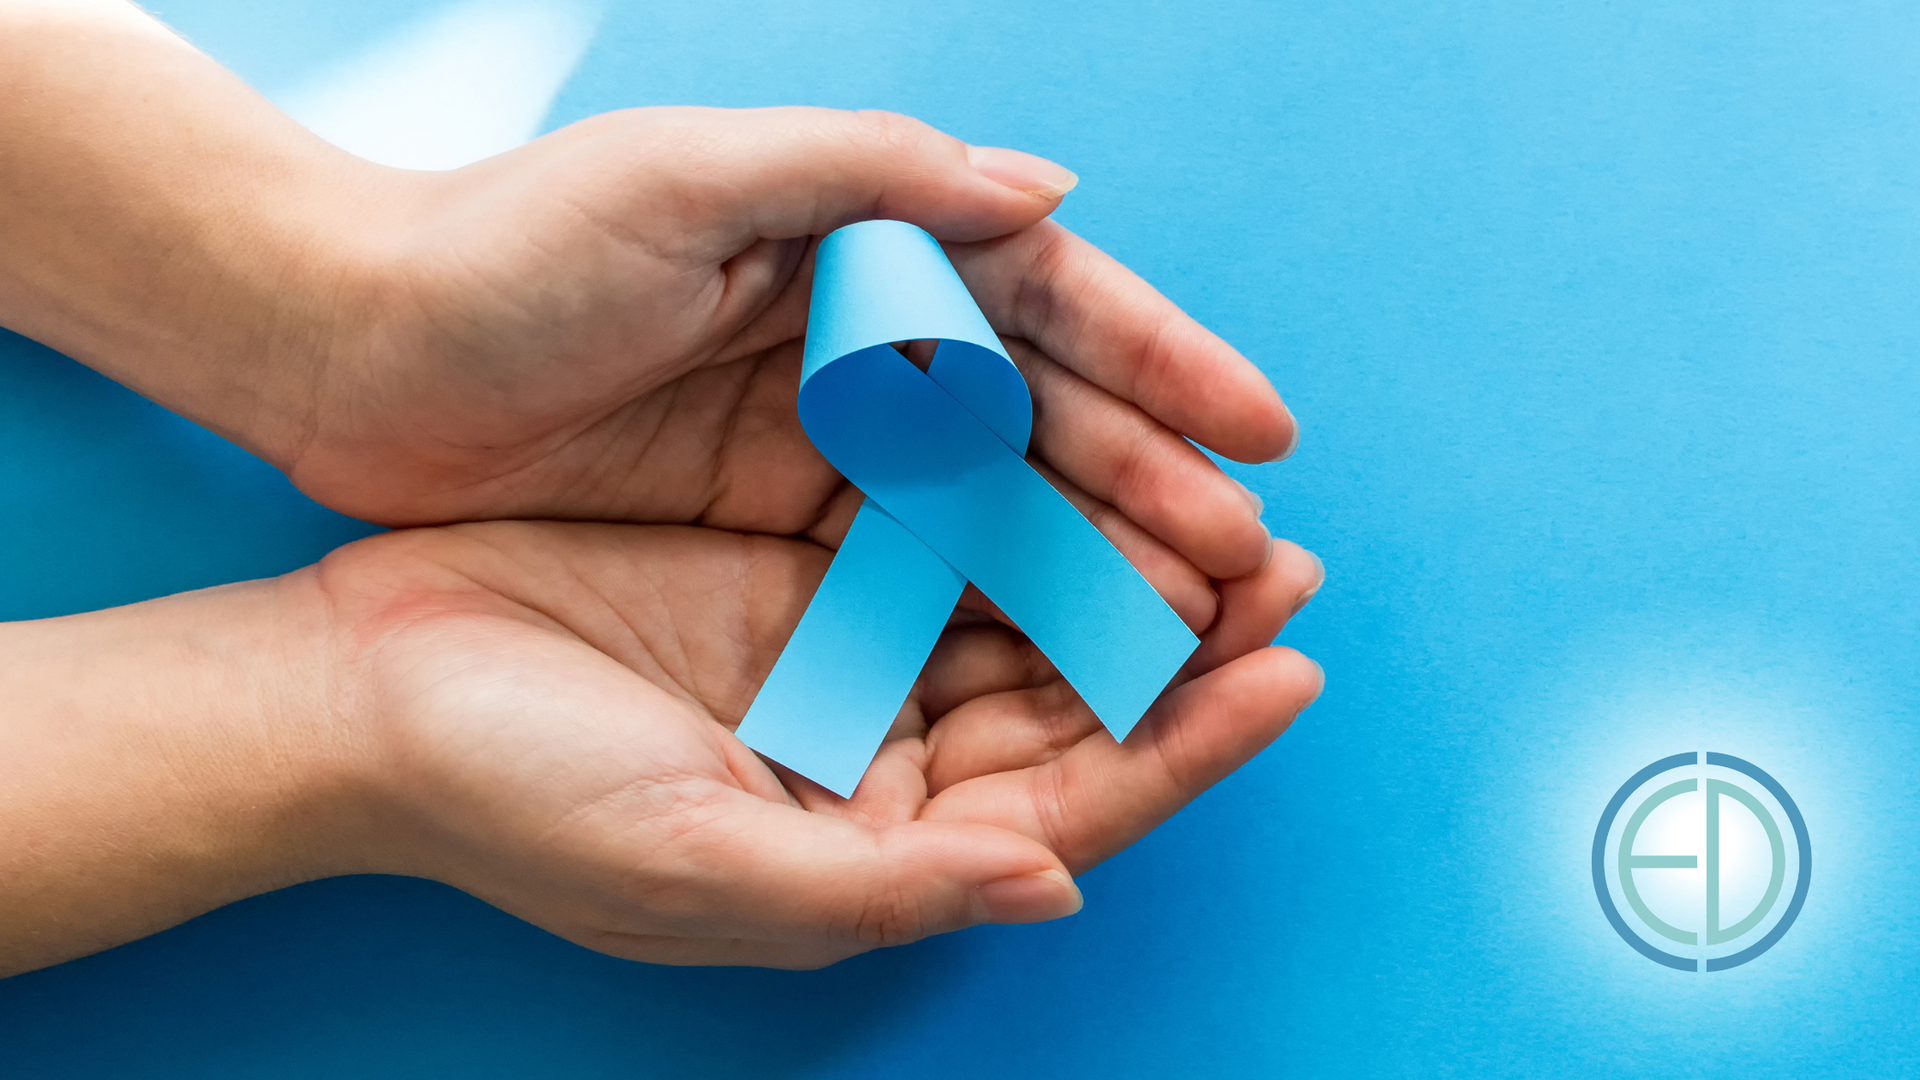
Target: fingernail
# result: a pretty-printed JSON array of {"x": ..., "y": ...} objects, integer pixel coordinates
[
  {"x": 1030, "y": 898},
  {"x": 1259, "y": 505},
  {"x": 1318, "y": 581},
  {"x": 1292, "y": 444},
  {"x": 1023, "y": 171}
]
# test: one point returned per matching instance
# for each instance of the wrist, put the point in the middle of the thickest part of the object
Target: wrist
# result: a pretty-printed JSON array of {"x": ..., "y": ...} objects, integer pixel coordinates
[
  {"x": 168, "y": 227},
  {"x": 169, "y": 757}
]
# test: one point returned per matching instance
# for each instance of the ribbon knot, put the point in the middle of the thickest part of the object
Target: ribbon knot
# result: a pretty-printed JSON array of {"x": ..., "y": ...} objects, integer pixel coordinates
[{"x": 950, "y": 498}]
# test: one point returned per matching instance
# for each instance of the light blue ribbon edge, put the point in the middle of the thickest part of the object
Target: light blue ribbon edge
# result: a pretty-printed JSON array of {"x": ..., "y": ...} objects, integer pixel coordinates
[{"x": 837, "y": 687}]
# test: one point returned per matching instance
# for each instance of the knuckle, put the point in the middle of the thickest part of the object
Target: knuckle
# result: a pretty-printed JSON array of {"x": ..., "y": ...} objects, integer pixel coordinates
[
  {"x": 1137, "y": 465},
  {"x": 894, "y": 134},
  {"x": 1160, "y": 361},
  {"x": 1039, "y": 301},
  {"x": 890, "y": 917},
  {"x": 1051, "y": 813},
  {"x": 1065, "y": 717}
]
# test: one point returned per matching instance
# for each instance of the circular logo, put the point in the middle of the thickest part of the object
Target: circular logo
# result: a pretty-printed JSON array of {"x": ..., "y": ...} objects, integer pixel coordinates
[{"x": 1694, "y": 875}]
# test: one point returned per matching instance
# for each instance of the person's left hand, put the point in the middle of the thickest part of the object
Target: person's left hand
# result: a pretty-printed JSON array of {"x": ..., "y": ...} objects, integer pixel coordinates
[{"x": 547, "y": 712}]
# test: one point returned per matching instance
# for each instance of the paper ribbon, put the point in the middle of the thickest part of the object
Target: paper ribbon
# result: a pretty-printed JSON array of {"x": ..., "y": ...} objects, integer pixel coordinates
[{"x": 950, "y": 499}]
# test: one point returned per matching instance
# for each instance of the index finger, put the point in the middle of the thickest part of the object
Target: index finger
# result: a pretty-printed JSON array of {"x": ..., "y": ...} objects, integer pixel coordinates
[
  {"x": 1042, "y": 767},
  {"x": 1085, "y": 310},
  {"x": 1100, "y": 796}
]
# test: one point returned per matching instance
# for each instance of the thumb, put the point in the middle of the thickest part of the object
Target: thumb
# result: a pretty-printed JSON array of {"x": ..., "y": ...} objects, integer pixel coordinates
[
  {"x": 774, "y": 872},
  {"x": 779, "y": 174}
]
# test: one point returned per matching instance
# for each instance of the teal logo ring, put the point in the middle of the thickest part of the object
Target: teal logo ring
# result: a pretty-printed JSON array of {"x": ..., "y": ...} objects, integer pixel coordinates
[{"x": 1722, "y": 942}]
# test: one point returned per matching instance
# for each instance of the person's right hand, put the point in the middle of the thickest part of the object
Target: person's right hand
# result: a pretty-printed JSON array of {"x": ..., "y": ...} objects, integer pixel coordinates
[
  {"x": 544, "y": 713},
  {"x": 605, "y": 324}
]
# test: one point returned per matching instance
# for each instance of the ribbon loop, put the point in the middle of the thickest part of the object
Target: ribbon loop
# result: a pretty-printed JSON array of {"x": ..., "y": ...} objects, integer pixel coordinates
[{"x": 950, "y": 499}]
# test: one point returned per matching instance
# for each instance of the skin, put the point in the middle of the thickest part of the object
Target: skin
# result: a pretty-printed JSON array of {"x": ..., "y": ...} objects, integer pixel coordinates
[
  {"x": 541, "y": 714},
  {"x": 602, "y": 326}
]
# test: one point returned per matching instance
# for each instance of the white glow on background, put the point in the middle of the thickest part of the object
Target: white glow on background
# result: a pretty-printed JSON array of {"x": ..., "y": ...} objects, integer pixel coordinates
[
  {"x": 1746, "y": 861},
  {"x": 472, "y": 81},
  {"x": 1679, "y": 827},
  {"x": 1627, "y": 703},
  {"x": 1598, "y": 708}
]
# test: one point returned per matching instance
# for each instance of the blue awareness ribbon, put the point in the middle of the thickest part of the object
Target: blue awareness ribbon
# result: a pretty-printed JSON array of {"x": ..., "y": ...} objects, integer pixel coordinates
[{"x": 950, "y": 498}]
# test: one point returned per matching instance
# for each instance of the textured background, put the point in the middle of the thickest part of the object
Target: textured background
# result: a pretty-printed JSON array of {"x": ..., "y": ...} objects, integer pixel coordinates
[{"x": 1600, "y": 320}]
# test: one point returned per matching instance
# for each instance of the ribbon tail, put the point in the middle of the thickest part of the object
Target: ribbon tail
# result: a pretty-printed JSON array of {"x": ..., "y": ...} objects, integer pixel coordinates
[{"x": 838, "y": 685}]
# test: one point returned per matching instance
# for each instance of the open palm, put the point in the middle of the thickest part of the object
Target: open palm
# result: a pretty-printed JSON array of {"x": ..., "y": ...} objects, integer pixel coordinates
[{"x": 552, "y": 707}]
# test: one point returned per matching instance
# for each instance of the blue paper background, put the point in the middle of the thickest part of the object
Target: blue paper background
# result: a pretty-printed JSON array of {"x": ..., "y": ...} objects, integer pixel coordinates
[{"x": 1601, "y": 322}]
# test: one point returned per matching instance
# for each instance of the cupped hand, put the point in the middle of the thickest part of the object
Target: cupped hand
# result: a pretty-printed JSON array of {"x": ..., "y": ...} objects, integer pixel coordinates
[
  {"x": 603, "y": 325},
  {"x": 606, "y": 324},
  {"x": 548, "y": 709}
]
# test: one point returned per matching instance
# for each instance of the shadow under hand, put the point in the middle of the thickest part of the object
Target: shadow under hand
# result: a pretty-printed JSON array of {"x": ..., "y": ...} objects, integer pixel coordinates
[{"x": 398, "y": 977}]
